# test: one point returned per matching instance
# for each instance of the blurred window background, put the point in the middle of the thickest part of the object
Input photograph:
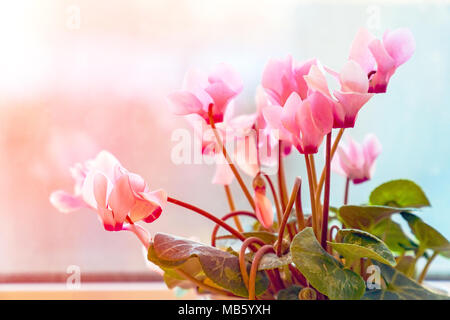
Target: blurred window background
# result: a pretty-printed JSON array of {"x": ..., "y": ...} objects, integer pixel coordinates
[{"x": 79, "y": 76}]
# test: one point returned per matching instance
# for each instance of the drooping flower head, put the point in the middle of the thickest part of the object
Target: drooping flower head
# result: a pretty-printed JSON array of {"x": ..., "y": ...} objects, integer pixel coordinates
[
  {"x": 119, "y": 197},
  {"x": 349, "y": 99},
  {"x": 303, "y": 123},
  {"x": 356, "y": 161},
  {"x": 200, "y": 90},
  {"x": 282, "y": 77},
  {"x": 239, "y": 138},
  {"x": 379, "y": 58}
]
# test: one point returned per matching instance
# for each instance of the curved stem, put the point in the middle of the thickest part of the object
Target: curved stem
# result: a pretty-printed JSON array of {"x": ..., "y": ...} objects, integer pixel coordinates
[
  {"x": 287, "y": 212},
  {"x": 233, "y": 208},
  {"x": 326, "y": 201},
  {"x": 299, "y": 211},
  {"x": 207, "y": 215},
  {"x": 275, "y": 197},
  {"x": 311, "y": 194},
  {"x": 347, "y": 186},
  {"x": 322, "y": 176},
  {"x": 226, "y": 217},
  {"x": 281, "y": 178},
  {"x": 201, "y": 284},
  {"x": 242, "y": 265},
  {"x": 256, "y": 260},
  {"x": 313, "y": 170},
  {"x": 425, "y": 269},
  {"x": 330, "y": 233},
  {"x": 228, "y": 159}
]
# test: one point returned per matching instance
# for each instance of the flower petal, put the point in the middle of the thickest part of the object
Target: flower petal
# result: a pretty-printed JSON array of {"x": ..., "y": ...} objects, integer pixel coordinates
[
  {"x": 122, "y": 199},
  {"x": 264, "y": 211},
  {"x": 360, "y": 52},
  {"x": 399, "y": 44},
  {"x": 184, "y": 102},
  {"x": 65, "y": 202}
]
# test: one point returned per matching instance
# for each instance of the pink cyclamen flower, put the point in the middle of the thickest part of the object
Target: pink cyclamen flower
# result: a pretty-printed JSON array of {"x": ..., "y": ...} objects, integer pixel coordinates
[
  {"x": 355, "y": 161},
  {"x": 303, "y": 123},
  {"x": 281, "y": 77},
  {"x": 380, "y": 58},
  {"x": 263, "y": 206},
  {"x": 239, "y": 139},
  {"x": 200, "y": 90},
  {"x": 347, "y": 101},
  {"x": 119, "y": 197}
]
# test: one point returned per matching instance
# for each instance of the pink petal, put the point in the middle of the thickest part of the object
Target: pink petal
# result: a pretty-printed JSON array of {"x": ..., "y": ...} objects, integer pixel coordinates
[
  {"x": 100, "y": 190},
  {"x": 351, "y": 103},
  {"x": 321, "y": 112},
  {"x": 310, "y": 136},
  {"x": 359, "y": 51},
  {"x": 221, "y": 95},
  {"x": 263, "y": 208},
  {"x": 106, "y": 163},
  {"x": 137, "y": 182},
  {"x": 65, "y": 202},
  {"x": 183, "y": 103},
  {"x": 385, "y": 63},
  {"x": 299, "y": 72},
  {"x": 150, "y": 207},
  {"x": 223, "y": 174},
  {"x": 292, "y": 105},
  {"x": 399, "y": 44},
  {"x": 226, "y": 74},
  {"x": 371, "y": 148},
  {"x": 121, "y": 199},
  {"x": 278, "y": 80},
  {"x": 353, "y": 78},
  {"x": 317, "y": 82},
  {"x": 355, "y": 153}
]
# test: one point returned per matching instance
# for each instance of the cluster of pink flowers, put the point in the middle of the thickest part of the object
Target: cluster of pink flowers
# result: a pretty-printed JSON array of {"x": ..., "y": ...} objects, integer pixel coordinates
[{"x": 295, "y": 108}]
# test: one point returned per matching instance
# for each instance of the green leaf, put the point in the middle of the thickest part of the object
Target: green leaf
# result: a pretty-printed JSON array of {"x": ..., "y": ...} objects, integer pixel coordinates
[
  {"x": 221, "y": 267},
  {"x": 290, "y": 293},
  {"x": 322, "y": 270},
  {"x": 272, "y": 261},
  {"x": 400, "y": 287},
  {"x": 399, "y": 193},
  {"x": 392, "y": 234},
  {"x": 364, "y": 217},
  {"x": 428, "y": 237},
  {"x": 356, "y": 244}
]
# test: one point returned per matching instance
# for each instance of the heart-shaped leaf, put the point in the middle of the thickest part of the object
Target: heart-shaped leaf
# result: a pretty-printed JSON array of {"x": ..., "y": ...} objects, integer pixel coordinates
[
  {"x": 399, "y": 193},
  {"x": 392, "y": 234},
  {"x": 356, "y": 244},
  {"x": 272, "y": 261},
  {"x": 322, "y": 270},
  {"x": 428, "y": 237},
  {"x": 221, "y": 267},
  {"x": 364, "y": 217},
  {"x": 400, "y": 287}
]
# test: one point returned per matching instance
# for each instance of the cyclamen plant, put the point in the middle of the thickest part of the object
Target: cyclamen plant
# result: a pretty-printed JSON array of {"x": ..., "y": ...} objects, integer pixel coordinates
[{"x": 285, "y": 253}]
